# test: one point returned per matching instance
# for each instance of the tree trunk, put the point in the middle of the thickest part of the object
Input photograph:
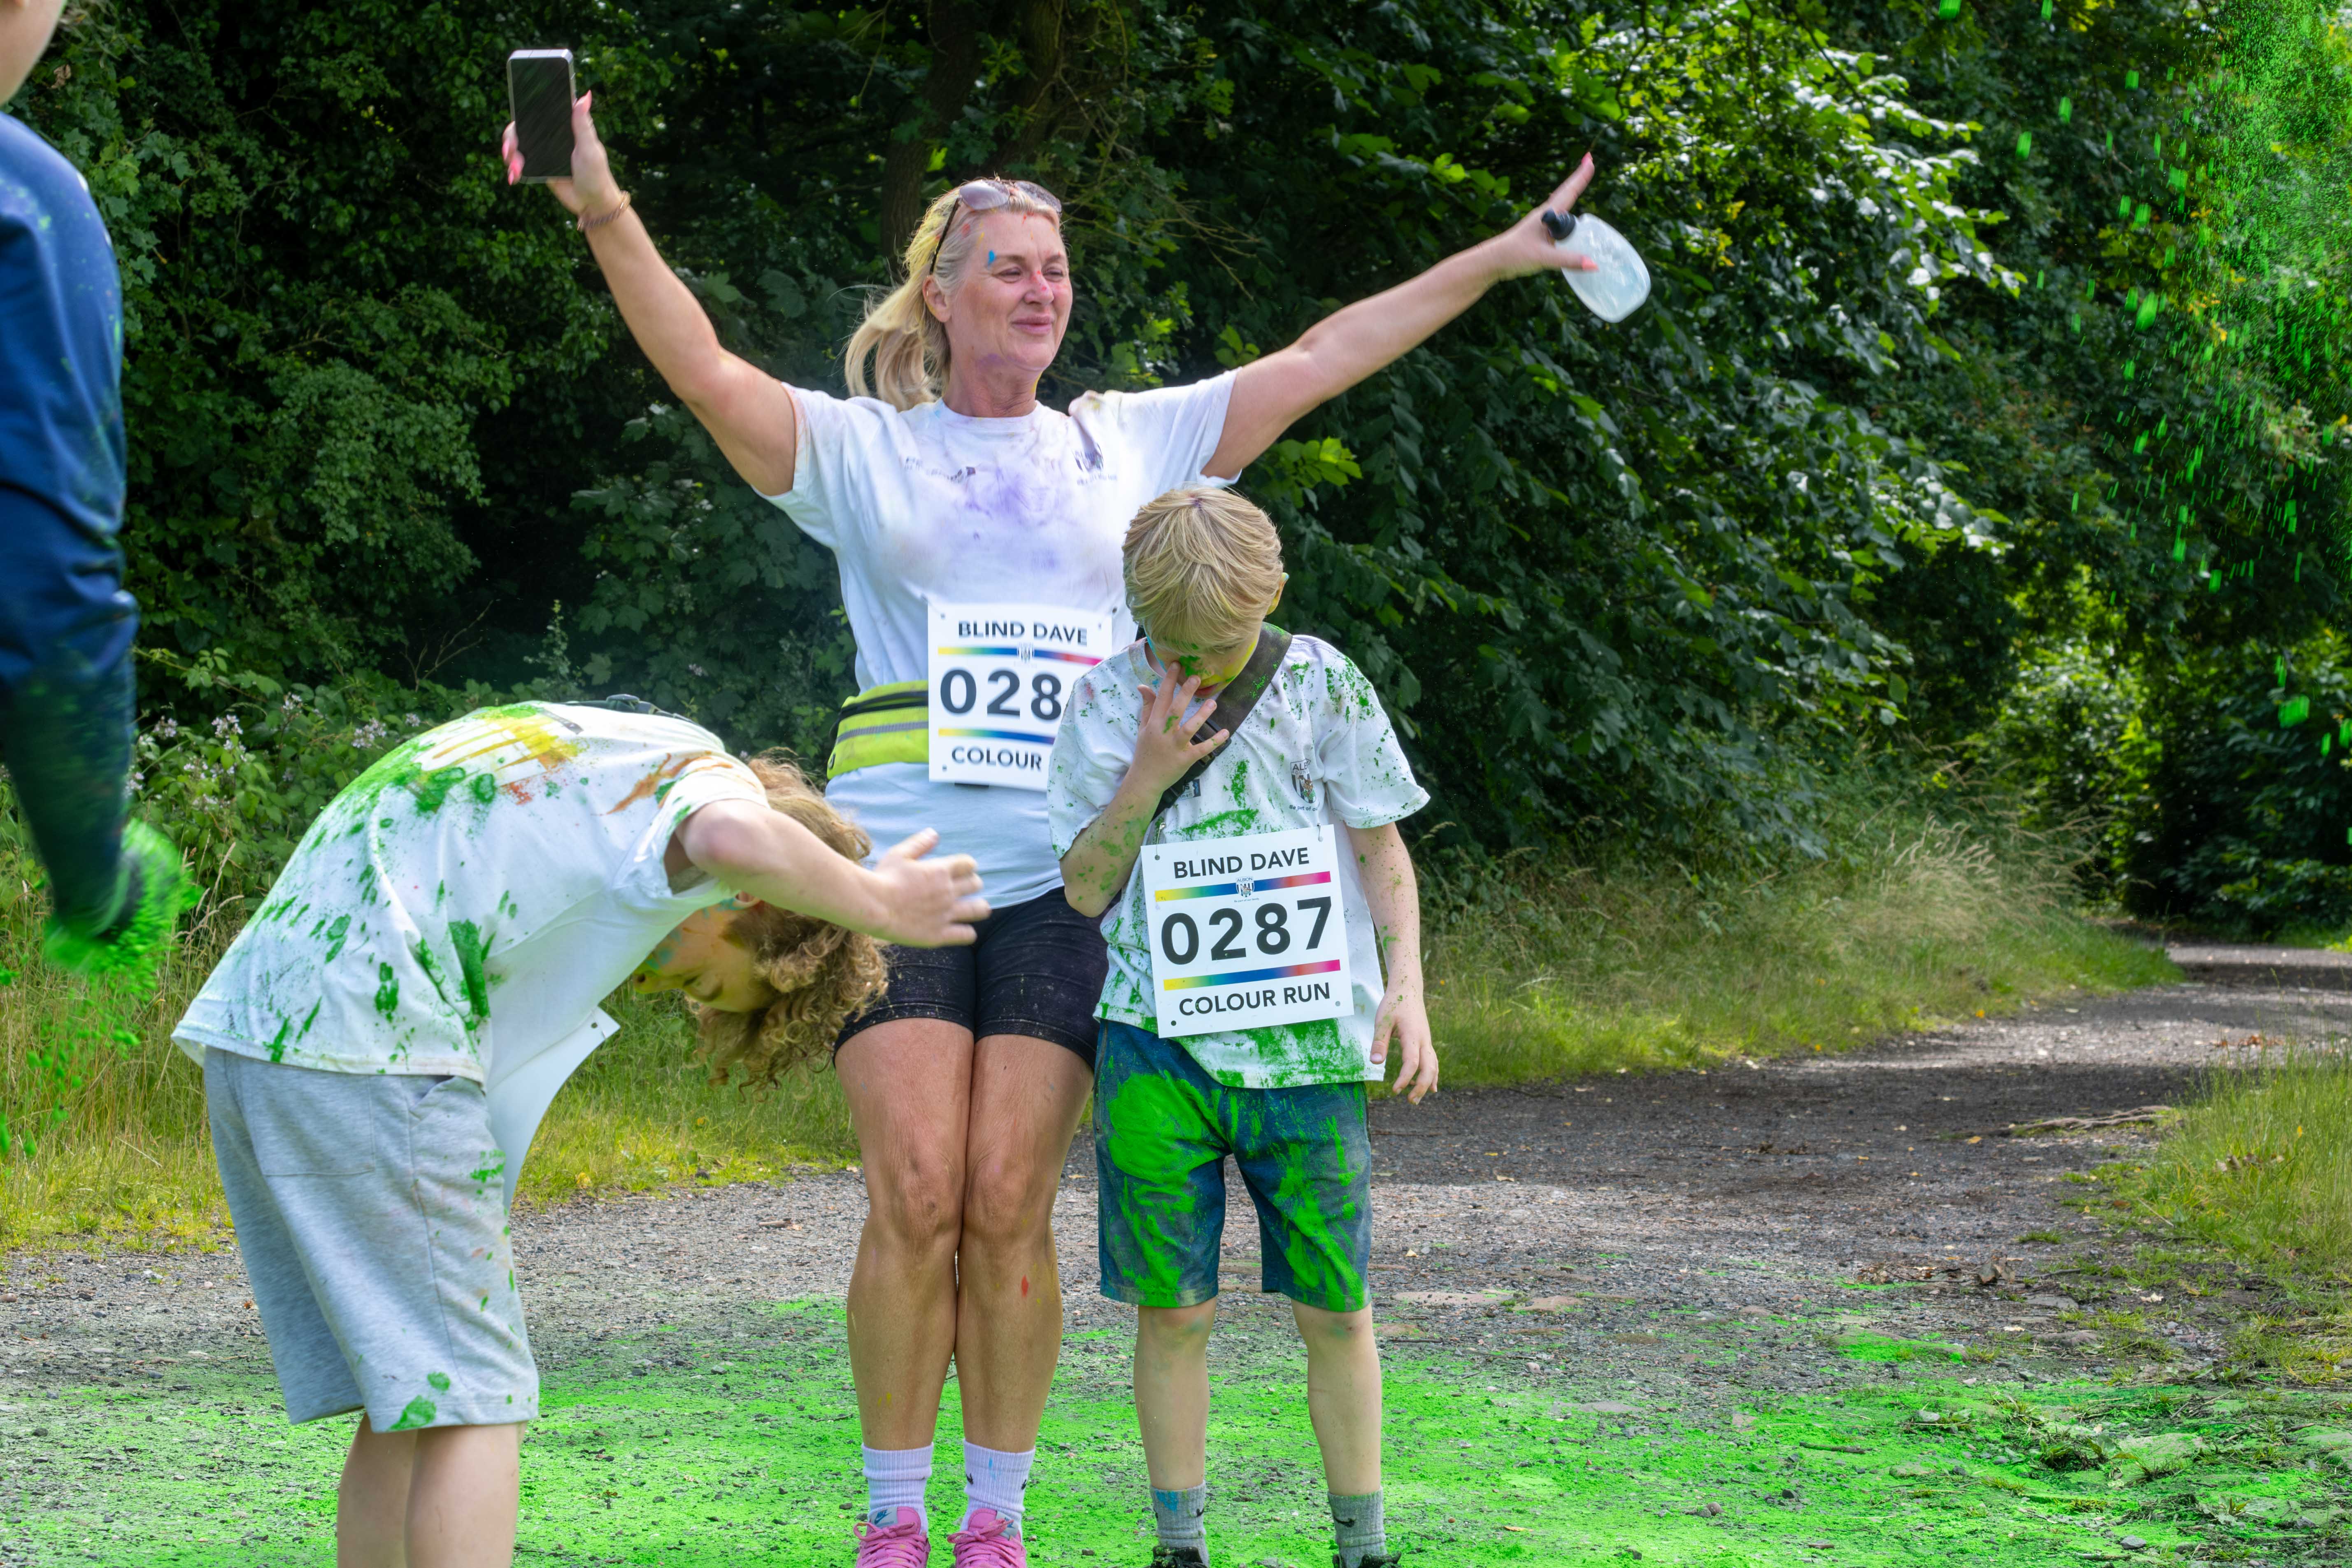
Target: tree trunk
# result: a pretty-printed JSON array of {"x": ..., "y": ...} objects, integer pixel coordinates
[
  {"x": 1040, "y": 26},
  {"x": 947, "y": 87}
]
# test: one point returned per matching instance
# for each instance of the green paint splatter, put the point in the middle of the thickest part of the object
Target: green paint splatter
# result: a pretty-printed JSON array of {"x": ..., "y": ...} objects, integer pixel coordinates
[
  {"x": 472, "y": 947},
  {"x": 336, "y": 930},
  {"x": 440, "y": 1381},
  {"x": 387, "y": 991},
  {"x": 431, "y": 790},
  {"x": 419, "y": 1412},
  {"x": 1580, "y": 1483}
]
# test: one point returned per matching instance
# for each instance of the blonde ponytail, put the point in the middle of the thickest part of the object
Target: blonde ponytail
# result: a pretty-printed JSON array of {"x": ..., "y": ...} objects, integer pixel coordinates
[{"x": 907, "y": 344}]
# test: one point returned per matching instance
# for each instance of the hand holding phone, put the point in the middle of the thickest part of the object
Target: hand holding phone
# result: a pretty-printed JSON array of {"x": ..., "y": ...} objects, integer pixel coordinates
[
  {"x": 589, "y": 185},
  {"x": 539, "y": 94}
]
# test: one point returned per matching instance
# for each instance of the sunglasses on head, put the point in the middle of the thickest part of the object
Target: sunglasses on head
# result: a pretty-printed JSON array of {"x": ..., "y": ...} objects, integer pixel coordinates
[{"x": 987, "y": 195}]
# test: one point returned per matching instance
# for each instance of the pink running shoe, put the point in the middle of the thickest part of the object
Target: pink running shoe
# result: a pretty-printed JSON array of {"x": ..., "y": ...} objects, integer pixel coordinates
[
  {"x": 989, "y": 1541},
  {"x": 901, "y": 1544}
]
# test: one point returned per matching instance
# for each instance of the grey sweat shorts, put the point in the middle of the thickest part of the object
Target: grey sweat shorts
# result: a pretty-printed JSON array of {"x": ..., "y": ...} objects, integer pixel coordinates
[{"x": 371, "y": 1214}]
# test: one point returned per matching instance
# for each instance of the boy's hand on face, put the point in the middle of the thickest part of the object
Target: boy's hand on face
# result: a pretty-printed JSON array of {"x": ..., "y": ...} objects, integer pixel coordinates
[
  {"x": 1164, "y": 748},
  {"x": 927, "y": 903},
  {"x": 1403, "y": 1017}
]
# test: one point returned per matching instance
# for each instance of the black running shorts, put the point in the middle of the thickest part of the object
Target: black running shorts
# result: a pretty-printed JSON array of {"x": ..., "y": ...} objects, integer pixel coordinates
[{"x": 1037, "y": 969}]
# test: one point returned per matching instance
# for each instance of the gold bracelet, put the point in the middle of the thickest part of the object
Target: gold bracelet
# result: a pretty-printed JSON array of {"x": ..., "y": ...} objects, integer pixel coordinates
[{"x": 587, "y": 224}]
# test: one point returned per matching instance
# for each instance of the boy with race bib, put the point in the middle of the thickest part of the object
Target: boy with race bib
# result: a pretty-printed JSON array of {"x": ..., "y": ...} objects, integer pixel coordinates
[{"x": 1257, "y": 890}]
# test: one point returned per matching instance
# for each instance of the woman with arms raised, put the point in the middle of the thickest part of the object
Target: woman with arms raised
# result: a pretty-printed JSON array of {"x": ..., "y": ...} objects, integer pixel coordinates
[{"x": 944, "y": 489}]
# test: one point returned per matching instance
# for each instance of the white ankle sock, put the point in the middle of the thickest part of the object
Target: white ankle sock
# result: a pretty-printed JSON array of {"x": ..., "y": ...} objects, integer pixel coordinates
[
  {"x": 993, "y": 1479},
  {"x": 894, "y": 1479}
]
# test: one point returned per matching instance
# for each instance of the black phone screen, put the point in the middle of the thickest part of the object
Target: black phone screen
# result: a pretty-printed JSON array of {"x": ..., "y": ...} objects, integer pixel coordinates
[{"x": 539, "y": 87}]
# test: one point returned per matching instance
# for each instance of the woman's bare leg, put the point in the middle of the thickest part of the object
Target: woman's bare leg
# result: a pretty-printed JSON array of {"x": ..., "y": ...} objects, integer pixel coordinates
[
  {"x": 909, "y": 1084},
  {"x": 1026, "y": 1096}
]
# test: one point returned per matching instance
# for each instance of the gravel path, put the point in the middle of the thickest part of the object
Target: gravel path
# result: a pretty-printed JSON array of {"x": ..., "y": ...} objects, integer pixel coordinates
[{"x": 1606, "y": 1230}]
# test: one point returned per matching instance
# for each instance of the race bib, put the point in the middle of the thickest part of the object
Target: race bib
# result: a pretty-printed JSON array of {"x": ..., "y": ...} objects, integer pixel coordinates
[
  {"x": 1001, "y": 676},
  {"x": 1246, "y": 932}
]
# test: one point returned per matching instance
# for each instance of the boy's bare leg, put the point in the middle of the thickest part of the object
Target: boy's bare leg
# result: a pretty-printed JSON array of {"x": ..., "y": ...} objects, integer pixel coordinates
[
  {"x": 1343, "y": 1395},
  {"x": 463, "y": 1497},
  {"x": 442, "y": 1497},
  {"x": 372, "y": 1502},
  {"x": 909, "y": 1084},
  {"x": 1171, "y": 1392},
  {"x": 1027, "y": 1096}
]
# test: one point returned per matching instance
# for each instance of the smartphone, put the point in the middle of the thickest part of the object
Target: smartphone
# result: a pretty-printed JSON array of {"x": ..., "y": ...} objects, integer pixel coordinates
[{"x": 539, "y": 92}]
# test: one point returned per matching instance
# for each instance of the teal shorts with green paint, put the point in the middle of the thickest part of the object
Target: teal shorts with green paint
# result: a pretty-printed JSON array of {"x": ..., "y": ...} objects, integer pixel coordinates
[{"x": 1162, "y": 1129}]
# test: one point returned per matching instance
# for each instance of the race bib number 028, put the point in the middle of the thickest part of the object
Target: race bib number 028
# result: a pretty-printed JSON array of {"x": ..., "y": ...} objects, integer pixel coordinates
[
  {"x": 1246, "y": 932},
  {"x": 1001, "y": 678}
]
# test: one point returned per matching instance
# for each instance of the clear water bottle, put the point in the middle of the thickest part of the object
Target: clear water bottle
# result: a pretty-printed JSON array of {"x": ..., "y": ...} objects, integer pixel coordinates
[{"x": 1618, "y": 288}]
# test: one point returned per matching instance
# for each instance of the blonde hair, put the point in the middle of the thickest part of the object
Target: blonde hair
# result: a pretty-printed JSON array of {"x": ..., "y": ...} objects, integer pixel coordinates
[
  {"x": 821, "y": 973},
  {"x": 907, "y": 344},
  {"x": 1202, "y": 564}
]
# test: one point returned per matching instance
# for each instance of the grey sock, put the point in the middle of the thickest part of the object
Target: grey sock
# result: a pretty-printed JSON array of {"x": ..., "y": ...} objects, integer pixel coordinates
[
  {"x": 1356, "y": 1528},
  {"x": 1181, "y": 1518}
]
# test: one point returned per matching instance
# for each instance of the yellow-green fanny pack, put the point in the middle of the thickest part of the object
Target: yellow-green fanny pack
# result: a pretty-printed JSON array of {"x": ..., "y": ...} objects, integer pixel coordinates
[{"x": 883, "y": 724}]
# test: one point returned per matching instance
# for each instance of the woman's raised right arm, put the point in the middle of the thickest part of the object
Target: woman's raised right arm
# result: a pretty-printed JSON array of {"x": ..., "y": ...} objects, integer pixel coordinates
[{"x": 747, "y": 411}]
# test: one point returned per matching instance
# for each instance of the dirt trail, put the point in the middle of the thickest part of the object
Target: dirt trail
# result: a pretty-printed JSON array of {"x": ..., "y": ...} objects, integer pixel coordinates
[
  {"x": 1795, "y": 1172},
  {"x": 1612, "y": 1245}
]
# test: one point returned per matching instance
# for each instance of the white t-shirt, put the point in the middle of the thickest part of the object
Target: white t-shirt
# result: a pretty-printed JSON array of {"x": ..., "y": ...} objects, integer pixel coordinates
[
  {"x": 928, "y": 504},
  {"x": 1316, "y": 748},
  {"x": 472, "y": 896}
]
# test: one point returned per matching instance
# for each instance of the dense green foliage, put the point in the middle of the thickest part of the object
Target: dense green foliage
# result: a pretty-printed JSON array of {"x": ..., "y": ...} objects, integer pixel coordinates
[{"x": 1869, "y": 450}]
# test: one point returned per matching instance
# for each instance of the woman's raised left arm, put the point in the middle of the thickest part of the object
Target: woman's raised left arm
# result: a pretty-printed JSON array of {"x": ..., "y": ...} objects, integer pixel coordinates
[{"x": 1351, "y": 343}]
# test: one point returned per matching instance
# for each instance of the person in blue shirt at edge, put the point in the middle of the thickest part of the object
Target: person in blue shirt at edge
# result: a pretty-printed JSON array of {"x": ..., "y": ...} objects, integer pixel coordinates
[{"x": 66, "y": 622}]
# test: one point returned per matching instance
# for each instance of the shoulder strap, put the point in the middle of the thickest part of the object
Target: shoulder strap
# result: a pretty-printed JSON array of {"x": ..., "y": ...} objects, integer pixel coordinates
[{"x": 1235, "y": 702}]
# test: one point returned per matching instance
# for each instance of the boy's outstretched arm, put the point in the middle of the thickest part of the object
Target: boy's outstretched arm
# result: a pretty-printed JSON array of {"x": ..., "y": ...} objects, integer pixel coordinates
[
  {"x": 1099, "y": 863},
  {"x": 1385, "y": 868},
  {"x": 906, "y": 899}
]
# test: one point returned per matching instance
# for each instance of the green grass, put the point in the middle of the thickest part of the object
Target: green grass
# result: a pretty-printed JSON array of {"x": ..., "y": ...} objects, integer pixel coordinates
[
  {"x": 2253, "y": 1183},
  {"x": 2260, "y": 1166},
  {"x": 118, "y": 1147},
  {"x": 1922, "y": 913},
  {"x": 1919, "y": 916},
  {"x": 726, "y": 1439}
]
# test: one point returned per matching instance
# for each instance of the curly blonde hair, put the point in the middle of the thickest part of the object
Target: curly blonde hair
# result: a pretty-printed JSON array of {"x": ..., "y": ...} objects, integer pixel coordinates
[{"x": 821, "y": 973}]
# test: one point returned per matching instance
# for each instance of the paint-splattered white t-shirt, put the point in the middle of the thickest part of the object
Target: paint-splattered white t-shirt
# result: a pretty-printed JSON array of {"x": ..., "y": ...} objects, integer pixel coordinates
[
  {"x": 928, "y": 504},
  {"x": 482, "y": 887},
  {"x": 1317, "y": 748}
]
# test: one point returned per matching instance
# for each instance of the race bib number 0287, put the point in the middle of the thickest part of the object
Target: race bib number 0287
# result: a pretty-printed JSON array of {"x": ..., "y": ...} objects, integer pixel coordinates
[
  {"x": 1000, "y": 678},
  {"x": 1246, "y": 932}
]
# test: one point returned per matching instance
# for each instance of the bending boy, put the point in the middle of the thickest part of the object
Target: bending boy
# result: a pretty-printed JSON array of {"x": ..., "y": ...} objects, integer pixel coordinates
[
  {"x": 1203, "y": 569},
  {"x": 379, "y": 1041}
]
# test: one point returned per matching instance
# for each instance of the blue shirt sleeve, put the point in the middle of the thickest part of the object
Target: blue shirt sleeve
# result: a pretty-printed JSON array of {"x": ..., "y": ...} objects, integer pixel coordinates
[{"x": 61, "y": 437}]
